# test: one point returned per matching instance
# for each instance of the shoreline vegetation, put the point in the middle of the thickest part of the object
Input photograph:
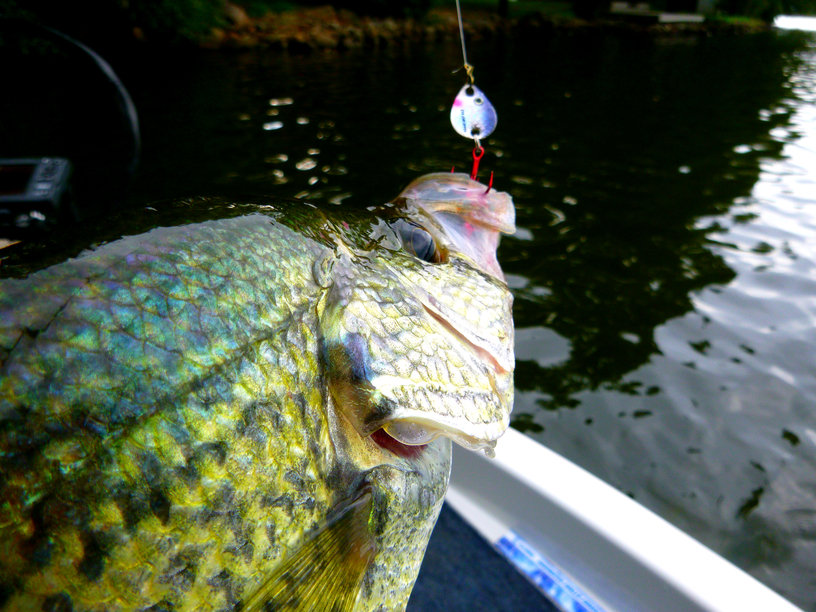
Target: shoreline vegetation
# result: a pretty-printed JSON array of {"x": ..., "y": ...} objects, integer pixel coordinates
[
  {"x": 324, "y": 27},
  {"x": 308, "y": 25}
]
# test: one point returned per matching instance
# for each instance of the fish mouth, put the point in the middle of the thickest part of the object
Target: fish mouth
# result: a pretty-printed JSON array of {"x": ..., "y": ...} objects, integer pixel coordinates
[
  {"x": 408, "y": 434},
  {"x": 389, "y": 443},
  {"x": 409, "y": 438},
  {"x": 421, "y": 431}
]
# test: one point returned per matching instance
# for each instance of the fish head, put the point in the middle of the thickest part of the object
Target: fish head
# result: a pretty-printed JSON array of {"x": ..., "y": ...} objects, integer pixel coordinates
[
  {"x": 417, "y": 324},
  {"x": 417, "y": 344}
]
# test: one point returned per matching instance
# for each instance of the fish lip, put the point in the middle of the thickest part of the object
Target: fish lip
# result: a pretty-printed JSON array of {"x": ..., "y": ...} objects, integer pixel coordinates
[{"x": 431, "y": 429}]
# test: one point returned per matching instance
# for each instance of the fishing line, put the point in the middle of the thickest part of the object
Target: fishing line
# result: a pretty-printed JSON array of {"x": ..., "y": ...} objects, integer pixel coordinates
[{"x": 468, "y": 67}]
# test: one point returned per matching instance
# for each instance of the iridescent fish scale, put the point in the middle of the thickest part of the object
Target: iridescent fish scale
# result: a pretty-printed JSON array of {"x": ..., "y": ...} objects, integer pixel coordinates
[{"x": 82, "y": 337}]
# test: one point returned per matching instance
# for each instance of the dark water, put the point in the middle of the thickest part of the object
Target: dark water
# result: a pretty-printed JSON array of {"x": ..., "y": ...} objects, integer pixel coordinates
[{"x": 665, "y": 263}]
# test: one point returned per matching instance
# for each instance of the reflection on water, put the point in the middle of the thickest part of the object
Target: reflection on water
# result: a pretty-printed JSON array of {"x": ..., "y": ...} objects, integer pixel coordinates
[
  {"x": 795, "y": 22},
  {"x": 691, "y": 379},
  {"x": 326, "y": 128},
  {"x": 664, "y": 267}
]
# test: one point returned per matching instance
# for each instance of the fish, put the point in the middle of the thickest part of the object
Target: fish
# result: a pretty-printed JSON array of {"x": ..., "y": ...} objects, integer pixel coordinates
[{"x": 247, "y": 404}]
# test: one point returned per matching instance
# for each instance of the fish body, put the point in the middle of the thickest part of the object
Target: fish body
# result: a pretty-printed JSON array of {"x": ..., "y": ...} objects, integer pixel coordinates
[{"x": 252, "y": 412}]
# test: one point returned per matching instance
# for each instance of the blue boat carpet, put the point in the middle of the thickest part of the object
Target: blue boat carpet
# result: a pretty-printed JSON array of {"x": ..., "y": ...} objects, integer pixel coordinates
[{"x": 463, "y": 573}]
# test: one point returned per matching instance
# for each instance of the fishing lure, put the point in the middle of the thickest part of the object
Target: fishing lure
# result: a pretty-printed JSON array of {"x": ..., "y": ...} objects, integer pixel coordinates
[{"x": 472, "y": 114}]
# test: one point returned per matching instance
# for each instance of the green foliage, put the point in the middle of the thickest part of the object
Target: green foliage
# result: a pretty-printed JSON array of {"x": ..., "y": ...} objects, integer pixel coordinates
[
  {"x": 590, "y": 9},
  {"x": 550, "y": 8},
  {"x": 174, "y": 20},
  {"x": 258, "y": 8},
  {"x": 380, "y": 8},
  {"x": 753, "y": 22},
  {"x": 159, "y": 20}
]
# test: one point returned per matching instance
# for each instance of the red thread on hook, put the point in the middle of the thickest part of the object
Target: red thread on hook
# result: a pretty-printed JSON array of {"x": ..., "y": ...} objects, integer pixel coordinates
[{"x": 476, "y": 158}]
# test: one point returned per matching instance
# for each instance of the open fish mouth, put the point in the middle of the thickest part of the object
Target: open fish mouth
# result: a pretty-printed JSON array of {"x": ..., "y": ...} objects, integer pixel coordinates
[
  {"x": 407, "y": 427},
  {"x": 454, "y": 381},
  {"x": 416, "y": 428},
  {"x": 482, "y": 419},
  {"x": 409, "y": 438},
  {"x": 410, "y": 426},
  {"x": 421, "y": 431},
  {"x": 407, "y": 451}
]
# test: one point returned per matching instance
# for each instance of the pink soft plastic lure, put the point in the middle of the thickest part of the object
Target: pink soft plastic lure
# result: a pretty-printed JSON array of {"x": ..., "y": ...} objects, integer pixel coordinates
[{"x": 472, "y": 217}]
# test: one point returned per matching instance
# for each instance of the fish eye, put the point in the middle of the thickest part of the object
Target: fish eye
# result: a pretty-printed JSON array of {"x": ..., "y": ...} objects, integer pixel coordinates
[
  {"x": 417, "y": 240},
  {"x": 478, "y": 101}
]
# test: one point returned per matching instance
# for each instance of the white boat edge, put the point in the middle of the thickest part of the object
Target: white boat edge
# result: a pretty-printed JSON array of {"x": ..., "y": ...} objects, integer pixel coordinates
[{"x": 616, "y": 553}]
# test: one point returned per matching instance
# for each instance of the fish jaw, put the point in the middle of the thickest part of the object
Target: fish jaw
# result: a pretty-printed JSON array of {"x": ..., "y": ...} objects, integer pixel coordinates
[
  {"x": 395, "y": 363},
  {"x": 420, "y": 349},
  {"x": 408, "y": 493}
]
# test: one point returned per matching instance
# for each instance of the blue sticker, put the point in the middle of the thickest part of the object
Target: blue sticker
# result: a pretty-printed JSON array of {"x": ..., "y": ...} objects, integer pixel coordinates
[{"x": 543, "y": 574}]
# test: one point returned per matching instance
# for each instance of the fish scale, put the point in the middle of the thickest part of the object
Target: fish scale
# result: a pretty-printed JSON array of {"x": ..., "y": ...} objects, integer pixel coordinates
[
  {"x": 180, "y": 412},
  {"x": 219, "y": 480},
  {"x": 84, "y": 316}
]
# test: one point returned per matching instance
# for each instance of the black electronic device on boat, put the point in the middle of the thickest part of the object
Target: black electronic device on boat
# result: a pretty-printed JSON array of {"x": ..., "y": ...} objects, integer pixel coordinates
[
  {"x": 33, "y": 190},
  {"x": 78, "y": 113}
]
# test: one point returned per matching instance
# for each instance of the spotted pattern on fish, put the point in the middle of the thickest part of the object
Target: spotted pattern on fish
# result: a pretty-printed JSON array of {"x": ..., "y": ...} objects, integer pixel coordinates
[{"x": 191, "y": 472}]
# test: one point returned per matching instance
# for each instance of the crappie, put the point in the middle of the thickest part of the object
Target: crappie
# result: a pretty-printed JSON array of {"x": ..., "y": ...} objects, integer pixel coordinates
[{"x": 250, "y": 409}]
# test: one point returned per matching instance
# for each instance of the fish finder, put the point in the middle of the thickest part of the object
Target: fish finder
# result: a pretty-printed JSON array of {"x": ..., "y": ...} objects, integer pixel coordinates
[{"x": 33, "y": 190}]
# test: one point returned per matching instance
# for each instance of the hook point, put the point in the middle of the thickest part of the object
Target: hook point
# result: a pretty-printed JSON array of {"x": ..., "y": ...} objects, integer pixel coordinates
[{"x": 489, "y": 184}]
